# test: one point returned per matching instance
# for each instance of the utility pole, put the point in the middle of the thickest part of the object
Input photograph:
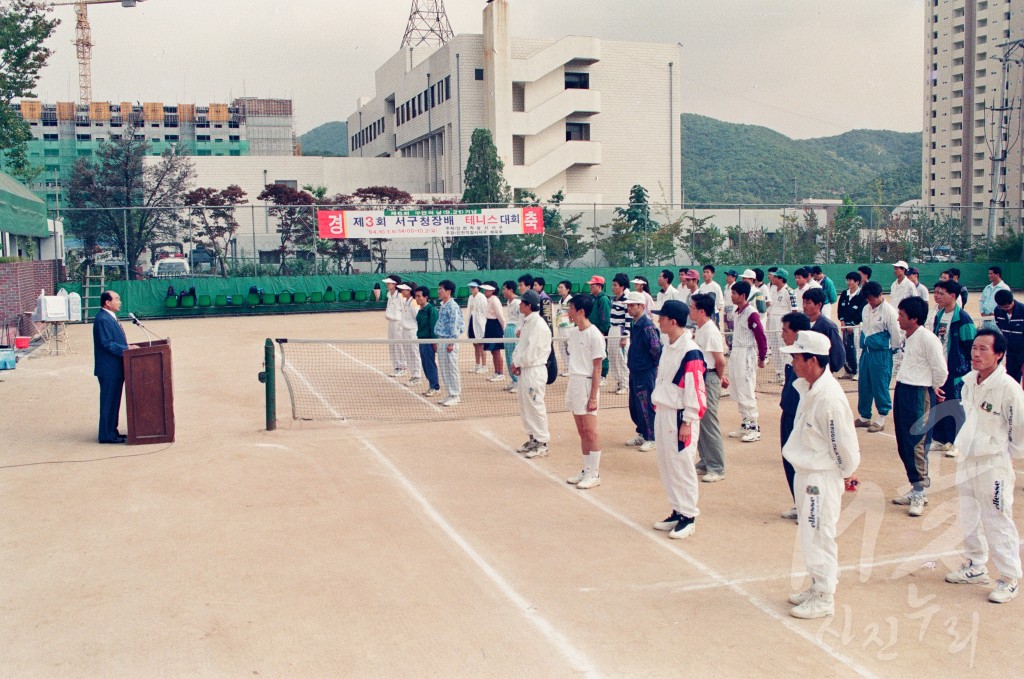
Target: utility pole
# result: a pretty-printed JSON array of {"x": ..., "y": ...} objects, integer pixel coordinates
[{"x": 1001, "y": 116}]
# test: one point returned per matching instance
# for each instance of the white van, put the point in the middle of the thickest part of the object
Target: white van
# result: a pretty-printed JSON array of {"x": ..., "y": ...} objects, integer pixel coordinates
[{"x": 170, "y": 266}]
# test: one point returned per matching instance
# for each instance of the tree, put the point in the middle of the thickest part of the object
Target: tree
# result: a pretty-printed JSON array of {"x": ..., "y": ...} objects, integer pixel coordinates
[
  {"x": 485, "y": 187},
  {"x": 381, "y": 196},
  {"x": 24, "y": 27},
  {"x": 118, "y": 200},
  {"x": 561, "y": 240},
  {"x": 295, "y": 220},
  {"x": 631, "y": 233},
  {"x": 215, "y": 212},
  {"x": 703, "y": 243},
  {"x": 800, "y": 237},
  {"x": 339, "y": 250}
]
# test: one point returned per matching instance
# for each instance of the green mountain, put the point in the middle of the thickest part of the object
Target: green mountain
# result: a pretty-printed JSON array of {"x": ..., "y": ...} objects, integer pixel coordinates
[
  {"x": 330, "y": 139},
  {"x": 731, "y": 163}
]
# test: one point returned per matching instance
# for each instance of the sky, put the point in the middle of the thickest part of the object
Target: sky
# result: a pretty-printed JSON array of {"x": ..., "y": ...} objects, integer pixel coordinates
[{"x": 806, "y": 68}]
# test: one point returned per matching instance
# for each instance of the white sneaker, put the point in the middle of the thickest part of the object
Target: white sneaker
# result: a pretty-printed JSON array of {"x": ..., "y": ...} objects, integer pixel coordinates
[
  {"x": 669, "y": 522},
  {"x": 480, "y": 369},
  {"x": 724, "y": 394},
  {"x": 817, "y": 605},
  {"x": 790, "y": 514},
  {"x": 432, "y": 392},
  {"x": 564, "y": 373},
  {"x": 916, "y": 504},
  {"x": 684, "y": 528},
  {"x": 589, "y": 480},
  {"x": 604, "y": 382},
  {"x": 952, "y": 451},
  {"x": 753, "y": 434},
  {"x": 514, "y": 389},
  {"x": 635, "y": 441},
  {"x": 397, "y": 372},
  {"x": 800, "y": 597},
  {"x": 621, "y": 391},
  {"x": 712, "y": 477},
  {"x": 576, "y": 478},
  {"x": 496, "y": 377},
  {"x": 647, "y": 446},
  {"x": 449, "y": 402},
  {"x": 528, "y": 446},
  {"x": 904, "y": 500},
  {"x": 741, "y": 432},
  {"x": 1006, "y": 590},
  {"x": 415, "y": 381},
  {"x": 969, "y": 573},
  {"x": 539, "y": 450}
]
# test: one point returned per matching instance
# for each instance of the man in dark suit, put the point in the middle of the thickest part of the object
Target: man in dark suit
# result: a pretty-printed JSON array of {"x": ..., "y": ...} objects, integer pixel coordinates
[{"x": 109, "y": 344}]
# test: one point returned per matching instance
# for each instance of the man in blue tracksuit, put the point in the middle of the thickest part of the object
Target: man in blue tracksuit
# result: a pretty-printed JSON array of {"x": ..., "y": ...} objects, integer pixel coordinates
[
  {"x": 955, "y": 328},
  {"x": 879, "y": 339},
  {"x": 642, "y": 360}
]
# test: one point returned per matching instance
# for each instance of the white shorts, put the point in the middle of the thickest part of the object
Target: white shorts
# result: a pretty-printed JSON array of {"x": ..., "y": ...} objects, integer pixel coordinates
[{"x": 577, "y": 394}]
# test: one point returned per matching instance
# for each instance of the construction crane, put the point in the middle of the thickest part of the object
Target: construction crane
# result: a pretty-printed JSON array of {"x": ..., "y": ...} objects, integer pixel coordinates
[{"x": 83, "y": 41}]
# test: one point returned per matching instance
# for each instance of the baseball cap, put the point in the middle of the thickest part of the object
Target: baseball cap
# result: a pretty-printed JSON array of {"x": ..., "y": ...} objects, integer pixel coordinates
[
  {"x": 634, "y": 297},
  {"x": 675, "y": 310},
  {"x": 808, "y": 342},
  {"x": 731, "y": 272},
  {"x": 781, "y": 273},
  {"x": 596, "y": 280},
  {"x": 912, "y": 271},
  {"x": 748, "y": 273},
  {"x": 901, "y": 264},
  {"x": 532, "y": 298},
  {"x": 692, "y": 275}
]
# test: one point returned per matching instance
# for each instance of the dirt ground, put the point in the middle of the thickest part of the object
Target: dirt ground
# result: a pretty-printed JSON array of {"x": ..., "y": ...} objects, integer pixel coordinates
[{"x": 430, "y": 549}]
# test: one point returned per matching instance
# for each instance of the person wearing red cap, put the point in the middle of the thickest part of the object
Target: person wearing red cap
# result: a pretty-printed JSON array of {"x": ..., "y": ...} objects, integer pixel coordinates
[{"x": 601, "y": 314}]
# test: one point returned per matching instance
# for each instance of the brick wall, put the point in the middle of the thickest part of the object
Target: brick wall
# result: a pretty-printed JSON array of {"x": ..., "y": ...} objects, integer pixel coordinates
[{"x": 20, "y": 283}]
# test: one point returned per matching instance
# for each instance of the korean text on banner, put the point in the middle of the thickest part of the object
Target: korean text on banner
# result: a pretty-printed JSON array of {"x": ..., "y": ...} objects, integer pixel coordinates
[{"x": 436, "y": 223}]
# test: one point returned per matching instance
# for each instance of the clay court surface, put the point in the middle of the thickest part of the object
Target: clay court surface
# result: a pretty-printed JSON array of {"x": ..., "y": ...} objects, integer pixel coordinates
[{"x": 430, "y": 549}]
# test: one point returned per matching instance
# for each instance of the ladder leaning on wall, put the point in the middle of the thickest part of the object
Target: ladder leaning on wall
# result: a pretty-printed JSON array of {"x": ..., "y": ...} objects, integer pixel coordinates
[{"x": 93, "y": 286}]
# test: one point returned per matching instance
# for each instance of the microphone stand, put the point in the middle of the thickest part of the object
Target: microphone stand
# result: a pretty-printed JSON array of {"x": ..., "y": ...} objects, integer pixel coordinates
[{"x": 136, "y": 321}]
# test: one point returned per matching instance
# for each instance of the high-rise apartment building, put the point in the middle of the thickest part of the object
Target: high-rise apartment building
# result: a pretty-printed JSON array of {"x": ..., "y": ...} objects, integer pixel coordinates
[
  {"x": 64, "y": 132},
  {"x": 967, "y": 119}
]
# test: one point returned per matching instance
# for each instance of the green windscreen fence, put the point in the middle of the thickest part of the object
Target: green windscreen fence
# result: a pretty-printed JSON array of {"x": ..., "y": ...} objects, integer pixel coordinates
[
  {"x": 22, "y": 213},
  {"x": 296, "y": 294}
]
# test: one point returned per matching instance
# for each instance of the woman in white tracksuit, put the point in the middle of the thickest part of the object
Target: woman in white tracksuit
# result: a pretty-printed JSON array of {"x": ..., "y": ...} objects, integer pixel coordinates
[
  {"x": 393, "y": 315},
  {"x": 824, "y": 451},
  {"x": 990, "y": 437},
  {"x": 407, "y": 331},
  {"x": 529, "y": 362}
]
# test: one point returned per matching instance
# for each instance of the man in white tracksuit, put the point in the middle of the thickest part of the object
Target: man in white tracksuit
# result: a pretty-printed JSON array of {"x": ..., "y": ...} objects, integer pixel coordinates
[
  {"x": 781, "y": 301},
  {"x": 824, "y": 452},
  {"x": 529, "y": 363},
  {"x": 407, "y": 331},
  {"x": 990, "y": 437},
  {"x": 680, "y": 400},
  {"x": 393, "y": 315},
  {"x": 749, "y": 351}
]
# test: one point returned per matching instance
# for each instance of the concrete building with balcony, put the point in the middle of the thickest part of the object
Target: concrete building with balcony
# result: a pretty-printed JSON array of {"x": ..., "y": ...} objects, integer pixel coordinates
[
  {"x": 581, "y": 115},
  {"x": 965, "y": 42}
]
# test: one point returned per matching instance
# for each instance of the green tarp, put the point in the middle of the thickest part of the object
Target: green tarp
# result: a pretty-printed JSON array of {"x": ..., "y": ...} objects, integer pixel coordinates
[
  {"x": 149, "y": 297},
  {"x": 22, "y": 213}
]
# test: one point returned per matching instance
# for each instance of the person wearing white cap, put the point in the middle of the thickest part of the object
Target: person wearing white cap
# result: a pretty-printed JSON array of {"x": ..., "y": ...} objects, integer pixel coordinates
[
  {"x": 641, "y": 286},
  {"x": 902, "y": 287},
  {"x": 393, "y": 315},
  {"x": 781, "y": 301},
  {"x": 529, "y": 363},
  {"x": 476, "y": 305},
  {"x": 824, "y": 452},
  {"x": 757, "y": 298},
  {"x": 407, "y": 331},
  {"x": 642, "y": 360},
  {"x": 879, "y": 339},
  {"x": 494, "y": 328}
]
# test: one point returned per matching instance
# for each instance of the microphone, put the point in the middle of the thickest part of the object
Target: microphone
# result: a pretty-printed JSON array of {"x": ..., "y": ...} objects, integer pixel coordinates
[{"x": 134, "y": 319}]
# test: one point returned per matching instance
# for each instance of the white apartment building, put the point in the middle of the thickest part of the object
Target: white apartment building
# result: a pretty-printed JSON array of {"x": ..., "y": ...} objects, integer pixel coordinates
[
  {"x": 586, "y": 116},
  {"x": 964, "y": 40}
]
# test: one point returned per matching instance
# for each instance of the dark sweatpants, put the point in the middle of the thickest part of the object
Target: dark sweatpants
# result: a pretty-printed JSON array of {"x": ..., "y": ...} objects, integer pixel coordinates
[
  {"x": 910, "y": 404},
  {"x": 945, "y": 429},
  {"x": 849, "y": 343},
  {"x": 641, "y": 410}
]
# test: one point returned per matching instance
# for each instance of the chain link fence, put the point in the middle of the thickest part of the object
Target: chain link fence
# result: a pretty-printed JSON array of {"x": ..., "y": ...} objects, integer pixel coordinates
[{"x": 268, "y": 239}]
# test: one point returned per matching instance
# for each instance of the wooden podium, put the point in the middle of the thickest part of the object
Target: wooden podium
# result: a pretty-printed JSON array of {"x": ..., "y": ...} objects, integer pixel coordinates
[{"x": 149, "y": 392}]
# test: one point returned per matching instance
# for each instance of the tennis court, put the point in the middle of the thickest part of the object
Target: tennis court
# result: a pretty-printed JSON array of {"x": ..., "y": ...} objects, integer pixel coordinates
[{"x": 393, "y": 548}]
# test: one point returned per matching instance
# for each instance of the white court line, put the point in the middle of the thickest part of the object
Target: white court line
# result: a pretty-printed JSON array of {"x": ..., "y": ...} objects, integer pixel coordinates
[
  {"x": 576, "y": 658},
  {"x": 706, "y": 570},
  {"x": 390, "y": 379}
]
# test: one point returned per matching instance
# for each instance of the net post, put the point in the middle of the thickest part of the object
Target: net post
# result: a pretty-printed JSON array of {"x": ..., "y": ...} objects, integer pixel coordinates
[{"x": 268, "y": 376}]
